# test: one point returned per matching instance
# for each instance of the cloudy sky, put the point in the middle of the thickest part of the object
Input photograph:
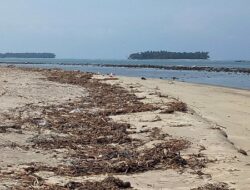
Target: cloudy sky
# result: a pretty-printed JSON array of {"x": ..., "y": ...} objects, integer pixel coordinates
[{"x": 115, "y": 28}]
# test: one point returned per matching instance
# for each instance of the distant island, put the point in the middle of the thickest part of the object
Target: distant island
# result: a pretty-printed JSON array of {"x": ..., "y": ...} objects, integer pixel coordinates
[
  {"x": 169, "y": 55},
  {"x": 27, "y": 55}
]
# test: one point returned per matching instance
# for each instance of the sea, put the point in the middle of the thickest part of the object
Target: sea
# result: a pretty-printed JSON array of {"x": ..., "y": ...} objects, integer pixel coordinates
[{"x": 225, "y": 79}]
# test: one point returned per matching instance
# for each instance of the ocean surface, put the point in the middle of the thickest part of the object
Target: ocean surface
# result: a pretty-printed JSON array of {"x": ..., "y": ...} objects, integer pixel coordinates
[{"x": 234, "y": 80}]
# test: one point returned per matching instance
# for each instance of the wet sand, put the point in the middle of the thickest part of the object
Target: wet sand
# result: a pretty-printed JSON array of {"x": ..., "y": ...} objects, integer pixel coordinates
[{"x": 207, "y": 126}]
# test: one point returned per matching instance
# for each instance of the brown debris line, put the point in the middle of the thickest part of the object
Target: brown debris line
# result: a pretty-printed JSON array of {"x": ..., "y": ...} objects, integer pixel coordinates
[
  {"x": 110, "y": 183},
  {"x": 81, "y": 129},
  {"x": 32, "y": 182},
  {"x": 175, "y": 106},
  {"x": 121, "y": 161},
  {"x": 115, "y": 99},
  {"x": 94, "y": 143},
  {"x": 217, "y": 186},
  {"x": 86, "y": 120},
  {"x": 90, "y": 136}
]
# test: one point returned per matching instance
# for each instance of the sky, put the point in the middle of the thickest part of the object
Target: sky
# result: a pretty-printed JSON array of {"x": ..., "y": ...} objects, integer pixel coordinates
[{"x": 112, "y": 29}]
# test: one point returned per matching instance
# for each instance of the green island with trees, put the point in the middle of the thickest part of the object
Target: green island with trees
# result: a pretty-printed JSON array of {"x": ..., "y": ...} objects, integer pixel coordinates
[
  {"x": 169, "y": 55},
  {"x": 27, "y": 55}
]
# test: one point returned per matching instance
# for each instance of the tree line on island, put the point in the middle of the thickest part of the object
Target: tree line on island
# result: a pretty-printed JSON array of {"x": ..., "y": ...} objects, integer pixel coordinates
[
  {"x": 169, "y": 55},
  {"x": 27, "y": 55}
]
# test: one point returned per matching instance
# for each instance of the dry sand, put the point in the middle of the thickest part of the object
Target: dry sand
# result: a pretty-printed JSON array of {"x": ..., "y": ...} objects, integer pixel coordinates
[
  {"x": 219, "y": 120},
  {"x": 223, "y": 107},
  {"x": 217, "y": 124},
  {"x": 18, "y": 89}
]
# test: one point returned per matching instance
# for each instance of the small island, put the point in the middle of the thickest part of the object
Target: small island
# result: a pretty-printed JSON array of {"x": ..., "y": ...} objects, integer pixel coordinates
[
  {"x": 27, "y": 55},
  {"x": 169, "y": 55}
]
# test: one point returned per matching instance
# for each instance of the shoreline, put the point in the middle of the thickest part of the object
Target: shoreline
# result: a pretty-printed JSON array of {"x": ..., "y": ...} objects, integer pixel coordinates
[
  {"x": 167, "y": 67},
  {"x": 138, "y": 120},
  {"x": 185, "y": 82},
  {"x": 167, "y": 79}
]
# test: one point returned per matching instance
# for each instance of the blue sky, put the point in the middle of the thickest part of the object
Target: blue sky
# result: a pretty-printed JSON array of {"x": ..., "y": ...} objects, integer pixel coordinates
[{"x": 115, "y": 28}]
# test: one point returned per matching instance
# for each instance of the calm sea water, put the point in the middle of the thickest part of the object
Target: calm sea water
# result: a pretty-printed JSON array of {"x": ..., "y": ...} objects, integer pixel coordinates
[{"x": 213, "y": 78}]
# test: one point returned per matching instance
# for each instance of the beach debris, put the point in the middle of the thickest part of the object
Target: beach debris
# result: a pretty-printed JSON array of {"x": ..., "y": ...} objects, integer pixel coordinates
[
  {"x": 46, "y": 139},
  {"x": 115, "y": 160},
  {"x": 93, "y": 143},
  {"x": 161, "y": 95},
  {"x": 243, "y": 152},
  {"x": 223, "y": 133},
  {"x": 181, "y": 125},
  {"x": 5, "y": 128},
  {"x": 172, "y": 107},
  {"x": 217, "y": 186},
  {"x": 11, "y": 66},
  {"x": 41, "y": 122},
  {"x": 168, "y": 110},
  {"x": 32, "y": 181},
  {"x": 202, "y": 148},
  {"x": 106, "y": 184},
  {"x": 156, "y": 133},
  {"x": 155, "y": 119},
  {"x": 110, "y": 78},
  {"x": 77, "y": 110},
  {"x": 113, "y": 98},
  {"x": 141, "y": 97}
]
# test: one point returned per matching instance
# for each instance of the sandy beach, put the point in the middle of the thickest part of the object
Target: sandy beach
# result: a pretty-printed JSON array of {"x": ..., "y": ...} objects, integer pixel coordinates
[
  {"x": 225, "y": 109},
  {"x": 65, "y": 130}
]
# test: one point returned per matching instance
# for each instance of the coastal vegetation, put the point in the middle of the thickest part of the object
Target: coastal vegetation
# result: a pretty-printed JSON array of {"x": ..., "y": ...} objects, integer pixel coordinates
[
  {"x": 169, "y": 55},
  {"x": 27, "y": 55}
]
